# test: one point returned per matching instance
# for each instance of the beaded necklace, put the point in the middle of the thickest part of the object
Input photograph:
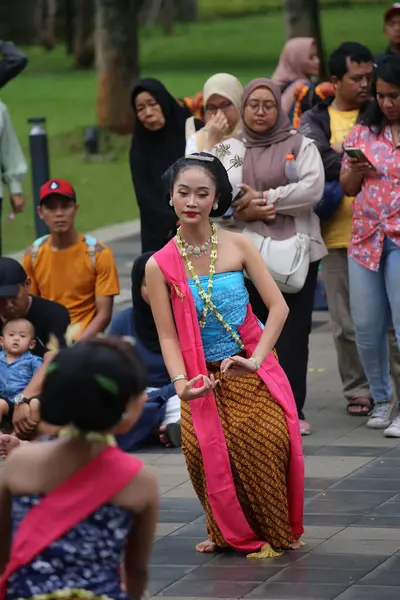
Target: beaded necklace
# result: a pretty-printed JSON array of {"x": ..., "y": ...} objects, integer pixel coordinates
[
  {"x": 206, "y": 296},
  {"x": 89, "y": 436}
]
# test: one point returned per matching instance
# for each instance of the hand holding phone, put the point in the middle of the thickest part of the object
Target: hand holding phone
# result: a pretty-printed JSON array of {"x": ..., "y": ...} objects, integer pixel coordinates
[
  {"x": 358, "y": 156},
  {"x": 232, "y": 208}
]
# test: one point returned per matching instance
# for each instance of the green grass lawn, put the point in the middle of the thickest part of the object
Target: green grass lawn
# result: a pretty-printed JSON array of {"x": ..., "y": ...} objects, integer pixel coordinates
[{"x": 247, "y": 47}]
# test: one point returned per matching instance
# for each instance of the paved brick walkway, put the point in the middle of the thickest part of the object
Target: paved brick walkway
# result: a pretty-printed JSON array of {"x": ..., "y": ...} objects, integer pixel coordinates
[{"x": 352, "y": 510}]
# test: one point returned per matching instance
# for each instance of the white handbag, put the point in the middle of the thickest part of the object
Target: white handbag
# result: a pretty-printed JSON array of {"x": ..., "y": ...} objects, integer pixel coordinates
[{"x": 287, "y": 261}]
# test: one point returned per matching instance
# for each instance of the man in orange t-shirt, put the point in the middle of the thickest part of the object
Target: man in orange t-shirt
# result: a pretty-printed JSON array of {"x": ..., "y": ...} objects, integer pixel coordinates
[{"x": 67, "y": 267}]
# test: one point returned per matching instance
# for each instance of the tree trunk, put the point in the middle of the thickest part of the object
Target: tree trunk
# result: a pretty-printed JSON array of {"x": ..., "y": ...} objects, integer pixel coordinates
[
  {"x": 117, "y": 62},
  {"x": 303, "y": 20},
  {"x": 168, "y": 14},
  {"x": 186, "y": 10},
  {"x": 69, "y": 25},
  {"x": 84, "y": 34},
  {"x": 17, "y": 21},
  {"x": 49, "y": 24}
]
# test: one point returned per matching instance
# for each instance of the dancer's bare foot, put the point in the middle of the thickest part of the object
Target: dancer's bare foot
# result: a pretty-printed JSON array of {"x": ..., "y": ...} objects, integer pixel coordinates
[
  {"x": 207, "y": 546},
  {"x": 296, "y": 546},
  {"x": 7, "y": 444}
]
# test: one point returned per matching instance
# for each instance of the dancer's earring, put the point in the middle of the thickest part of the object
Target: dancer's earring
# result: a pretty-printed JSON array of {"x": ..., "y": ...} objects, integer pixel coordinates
[
  {"x": 171, "y": 202},
  {"x": 215, "y": 205}
]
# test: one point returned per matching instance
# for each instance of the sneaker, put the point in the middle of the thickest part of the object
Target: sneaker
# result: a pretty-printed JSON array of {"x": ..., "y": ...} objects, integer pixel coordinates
[
  {"x": 305, "y": 428},
  {"x": 380, "y": 417},
  {"x": 393, "y": 430}
]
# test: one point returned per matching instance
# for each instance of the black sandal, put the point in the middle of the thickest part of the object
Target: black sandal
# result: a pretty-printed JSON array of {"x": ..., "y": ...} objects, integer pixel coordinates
[
  {"x": 174, "y": 433},
  {"x": 365, "y": 405}
]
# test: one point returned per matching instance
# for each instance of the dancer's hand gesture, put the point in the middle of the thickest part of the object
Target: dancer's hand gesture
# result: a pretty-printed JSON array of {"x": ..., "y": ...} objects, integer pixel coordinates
[
  {"x": 191, "y": 391},
  {"x": 237, "y": 366}
]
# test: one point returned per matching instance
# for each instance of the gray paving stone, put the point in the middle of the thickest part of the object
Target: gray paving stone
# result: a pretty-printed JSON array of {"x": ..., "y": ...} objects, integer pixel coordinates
[
  {"x": 177, "y": 551},
  {"x": 337, "y": 501},
  {"x": 210, "y": 589},
  {"x": 359, "y": 484},
  {"x": 378, "y": 521},
  {"x": 360, "y": 562},
  {"x": 332, "y": 520},
  {"x": 340, "y": 546},
  {"x": 369, "y": 533},
  {"x": 303, "y": 574},
  {"x": 300, "y": 591},
  {"x": 387, "y": 574},
  {"x": 366, "y": 451},
  {"x": 318, "y": 483},
  {"x": 369, "y": 593}
]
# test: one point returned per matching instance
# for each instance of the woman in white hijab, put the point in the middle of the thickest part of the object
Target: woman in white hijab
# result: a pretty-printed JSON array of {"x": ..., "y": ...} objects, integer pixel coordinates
[{"x": 222, "y": 96}]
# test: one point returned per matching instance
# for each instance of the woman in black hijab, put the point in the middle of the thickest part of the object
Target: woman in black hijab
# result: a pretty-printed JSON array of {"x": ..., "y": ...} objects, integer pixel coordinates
[{"x": 158, "y": 141}]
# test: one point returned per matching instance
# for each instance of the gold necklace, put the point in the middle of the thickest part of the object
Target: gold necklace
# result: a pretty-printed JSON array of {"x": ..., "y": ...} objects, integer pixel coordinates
[
  {"x": 213, "y": 257},
  {"x": 197, "y": 251},
  {"x": 206, "y": 296}
]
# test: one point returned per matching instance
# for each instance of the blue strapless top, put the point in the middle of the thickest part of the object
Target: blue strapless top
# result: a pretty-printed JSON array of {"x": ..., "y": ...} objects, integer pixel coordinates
[
  {"x": 87, "y": 557},
  {"x": 230, "y": 297}
]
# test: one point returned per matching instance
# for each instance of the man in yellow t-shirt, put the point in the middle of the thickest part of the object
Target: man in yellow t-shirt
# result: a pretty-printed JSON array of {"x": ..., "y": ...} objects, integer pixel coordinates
[
  {"x": 329, "y": 123},
  {"x": 67, "y": 267}
]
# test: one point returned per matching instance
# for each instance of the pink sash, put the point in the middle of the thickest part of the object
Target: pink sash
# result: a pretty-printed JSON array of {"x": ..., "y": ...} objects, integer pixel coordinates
[
  {"x": 68, "y": 504},
  {"x": 206, "y": 422}
]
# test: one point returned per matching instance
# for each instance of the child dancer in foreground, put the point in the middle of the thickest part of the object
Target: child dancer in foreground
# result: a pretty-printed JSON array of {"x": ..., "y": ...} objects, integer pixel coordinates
[{"x": 74, "y": 507}]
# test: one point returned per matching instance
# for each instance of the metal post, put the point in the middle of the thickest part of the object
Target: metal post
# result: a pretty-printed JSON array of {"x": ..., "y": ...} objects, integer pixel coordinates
[{"x": 40, "y": 167}]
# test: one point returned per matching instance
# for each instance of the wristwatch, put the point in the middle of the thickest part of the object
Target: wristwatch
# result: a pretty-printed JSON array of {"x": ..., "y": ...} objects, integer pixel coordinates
[{"x": 20, "y": 399}]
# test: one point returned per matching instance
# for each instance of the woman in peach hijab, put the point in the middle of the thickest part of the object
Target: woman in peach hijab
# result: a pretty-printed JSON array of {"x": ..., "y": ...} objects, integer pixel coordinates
[{"x": 298, "y": 63}]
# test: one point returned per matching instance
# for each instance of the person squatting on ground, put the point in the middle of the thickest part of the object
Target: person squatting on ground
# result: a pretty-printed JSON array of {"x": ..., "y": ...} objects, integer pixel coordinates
[{"x": 234, "y": 395}]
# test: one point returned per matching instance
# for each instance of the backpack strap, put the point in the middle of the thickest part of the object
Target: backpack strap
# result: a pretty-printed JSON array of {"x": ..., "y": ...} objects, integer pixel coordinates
[
  {"x": 37, "y": 244},
  {"x": 91, "y": 244}
]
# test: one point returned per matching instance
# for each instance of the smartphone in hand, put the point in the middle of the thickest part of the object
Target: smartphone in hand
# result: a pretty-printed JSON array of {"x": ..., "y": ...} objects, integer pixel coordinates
[
  {"x": 232, "y": 207},
  {"x": 359, "y": 154}
]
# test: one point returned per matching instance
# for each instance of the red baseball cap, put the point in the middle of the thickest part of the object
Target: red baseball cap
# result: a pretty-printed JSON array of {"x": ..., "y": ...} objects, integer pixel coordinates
[
  {"x": 57, "y": 187},
  {"x": 394, "y": 9}
]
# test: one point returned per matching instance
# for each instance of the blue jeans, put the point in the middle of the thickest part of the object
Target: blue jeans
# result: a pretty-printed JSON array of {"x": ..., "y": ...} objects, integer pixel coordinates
[{"x": 374, "y": 302}]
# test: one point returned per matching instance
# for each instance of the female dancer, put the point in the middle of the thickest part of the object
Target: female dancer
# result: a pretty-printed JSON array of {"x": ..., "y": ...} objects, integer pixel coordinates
[
  {"x": 78, "y": 503},
  {"x": 240, "y": 429}
]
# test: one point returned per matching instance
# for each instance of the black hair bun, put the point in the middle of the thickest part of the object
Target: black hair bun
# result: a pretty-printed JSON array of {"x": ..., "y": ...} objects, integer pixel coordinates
[
  {"x": 217, "y": 171},
  {"x": 90, "y": 384}
]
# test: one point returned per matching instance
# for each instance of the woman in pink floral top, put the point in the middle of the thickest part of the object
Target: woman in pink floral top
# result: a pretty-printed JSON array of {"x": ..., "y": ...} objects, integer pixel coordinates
[{"x": 374, "y": 251}]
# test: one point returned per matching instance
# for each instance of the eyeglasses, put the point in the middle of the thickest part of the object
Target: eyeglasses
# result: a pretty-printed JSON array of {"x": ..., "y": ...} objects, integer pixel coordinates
[
  {"x": 265, "y": 108},
  {"x": 224, "y": 106}
]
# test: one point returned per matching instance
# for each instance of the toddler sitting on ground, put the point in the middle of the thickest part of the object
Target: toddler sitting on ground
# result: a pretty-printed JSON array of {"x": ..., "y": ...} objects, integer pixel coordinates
[{"x": 17, "y": 366}]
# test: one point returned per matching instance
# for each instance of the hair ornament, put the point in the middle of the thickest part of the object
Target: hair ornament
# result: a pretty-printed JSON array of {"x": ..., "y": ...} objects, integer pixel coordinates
[
  {"x": 53, "y": 344},
  {"x": 52, "y": 367},
  {"x": 107, "y": 384},
  {"x": 72, "y": 333},
  {"x": 200, "y": 157}
]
